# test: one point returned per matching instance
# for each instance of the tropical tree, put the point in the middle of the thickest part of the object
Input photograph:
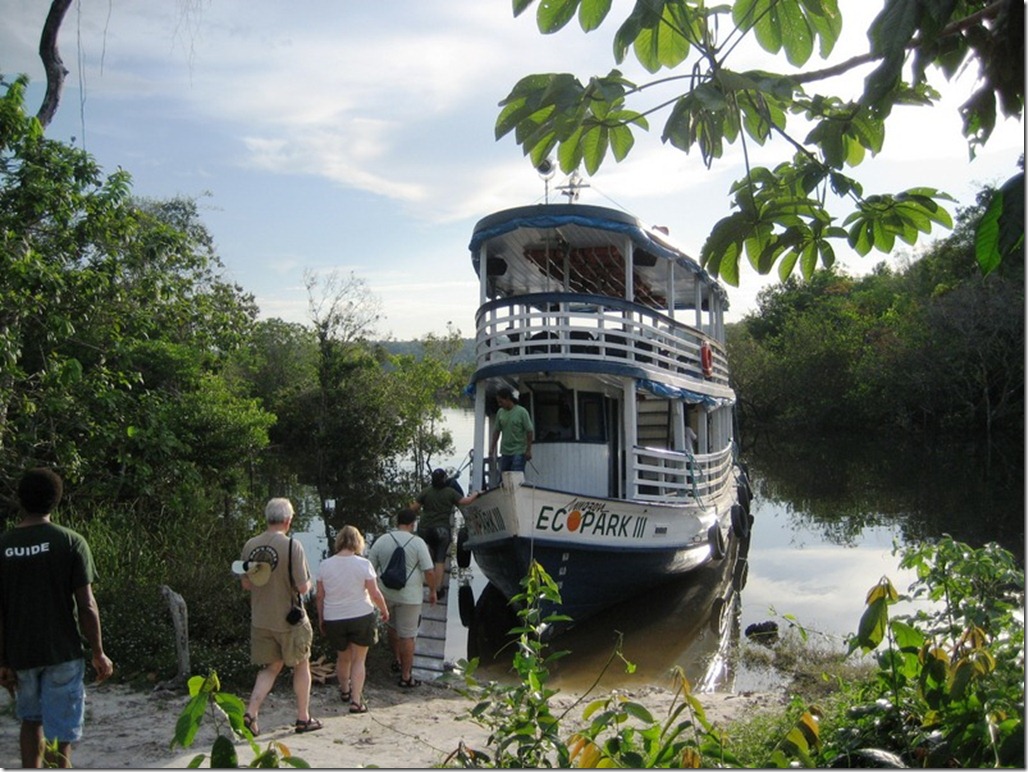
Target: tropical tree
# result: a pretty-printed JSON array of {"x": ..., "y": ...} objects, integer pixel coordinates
[
  {"x": 424, "y": 382},
  {"x": 782, "y": 214},
  {"x": 338, "y": 430},
  {"x": 279, "y": 368},
  {"x": 114, "y": 331}
]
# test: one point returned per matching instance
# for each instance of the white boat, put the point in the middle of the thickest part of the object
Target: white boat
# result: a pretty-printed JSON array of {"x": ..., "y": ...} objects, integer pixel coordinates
[{"x": 613, "y": 339}]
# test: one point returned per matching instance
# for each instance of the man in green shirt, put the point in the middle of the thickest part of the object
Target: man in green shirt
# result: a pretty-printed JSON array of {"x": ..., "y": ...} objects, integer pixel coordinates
[
  {"x": 515, "y": 425},
  {"x": 46, "y": 599}
]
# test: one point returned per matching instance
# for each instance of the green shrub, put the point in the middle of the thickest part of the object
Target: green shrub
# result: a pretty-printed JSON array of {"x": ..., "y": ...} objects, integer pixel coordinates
[{"x": 950, "y": 686}]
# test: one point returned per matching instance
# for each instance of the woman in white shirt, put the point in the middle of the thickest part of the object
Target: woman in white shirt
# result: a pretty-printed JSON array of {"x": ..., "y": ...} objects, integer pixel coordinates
[{"x": 347, "y": 597}]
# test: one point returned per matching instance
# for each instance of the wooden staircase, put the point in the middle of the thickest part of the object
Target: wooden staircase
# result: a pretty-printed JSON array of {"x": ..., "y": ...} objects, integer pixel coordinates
[{"x": 430, "y": 645}]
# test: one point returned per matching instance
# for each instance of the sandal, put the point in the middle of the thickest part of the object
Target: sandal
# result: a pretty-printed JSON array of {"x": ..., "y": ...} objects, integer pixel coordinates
[
  {"x": 345, "y": 696},
  {"x": 395, "y": 667},
  {"x": 310, "y": 725},
  {"x": 358, "y": 707},
  {"x": 250, "y": 723},
  {"x": 409, "y": 683}
]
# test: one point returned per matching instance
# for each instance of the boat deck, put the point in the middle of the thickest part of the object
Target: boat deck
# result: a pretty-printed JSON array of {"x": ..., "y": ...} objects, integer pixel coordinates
[{"x": 592, "y": 332}]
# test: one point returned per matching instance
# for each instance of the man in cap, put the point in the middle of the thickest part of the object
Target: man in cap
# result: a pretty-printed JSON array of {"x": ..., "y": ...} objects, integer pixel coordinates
[
  {"x": 436, "y": 503},
  {"x": 275, "y": 642},
  {"x": 46, "y": 600}
]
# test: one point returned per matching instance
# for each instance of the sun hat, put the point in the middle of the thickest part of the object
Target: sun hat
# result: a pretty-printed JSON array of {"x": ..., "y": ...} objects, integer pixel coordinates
[{"x": 258, "y": 572}]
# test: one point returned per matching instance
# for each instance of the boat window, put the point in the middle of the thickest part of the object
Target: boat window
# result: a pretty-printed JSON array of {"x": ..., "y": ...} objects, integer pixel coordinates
[
  {"x": 591, "y": 424},
  {"x": 553, "y": 415}
]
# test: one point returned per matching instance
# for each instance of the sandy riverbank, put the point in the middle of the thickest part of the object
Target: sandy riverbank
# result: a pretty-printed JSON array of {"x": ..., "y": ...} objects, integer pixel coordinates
[{"x": 128, "y": 729}]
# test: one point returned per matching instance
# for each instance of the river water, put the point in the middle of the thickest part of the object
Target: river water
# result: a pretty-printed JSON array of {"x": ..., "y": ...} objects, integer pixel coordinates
[{"x": 827, "y": 517}]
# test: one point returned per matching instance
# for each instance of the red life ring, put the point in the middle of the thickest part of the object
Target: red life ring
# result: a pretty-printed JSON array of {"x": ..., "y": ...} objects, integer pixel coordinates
[{"x": 706, "y": 359}]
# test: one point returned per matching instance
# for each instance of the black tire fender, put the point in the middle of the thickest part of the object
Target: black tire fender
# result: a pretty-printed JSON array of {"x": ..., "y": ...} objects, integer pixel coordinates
[
  {"x": 463, "y": 553},
  {"x": 718, "y": 615},
  {"x": 466, "y": 604},
  {"x": 741, "y": 574},
  {"x": 742, "y": 493},
  {"x": 740, "y": 521},
  {"x": 717, "y": 542}
]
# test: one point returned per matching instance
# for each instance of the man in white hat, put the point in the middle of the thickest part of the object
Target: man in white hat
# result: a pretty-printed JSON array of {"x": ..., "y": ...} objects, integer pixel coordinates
[{"x": 276, "y": 642}]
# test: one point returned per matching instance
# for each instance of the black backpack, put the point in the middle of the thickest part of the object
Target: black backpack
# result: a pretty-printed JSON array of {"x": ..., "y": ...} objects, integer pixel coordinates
[{"x": 395, "y": 575}]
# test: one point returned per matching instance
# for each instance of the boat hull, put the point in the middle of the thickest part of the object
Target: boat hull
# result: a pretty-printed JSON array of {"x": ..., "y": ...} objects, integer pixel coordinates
[{"x": 599, "y": 551}]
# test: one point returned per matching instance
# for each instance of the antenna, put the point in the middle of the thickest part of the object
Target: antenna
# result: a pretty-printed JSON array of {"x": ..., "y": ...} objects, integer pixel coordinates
[
  {"x": 573, "y": 186},
  {"x": 546, "y": 169}
]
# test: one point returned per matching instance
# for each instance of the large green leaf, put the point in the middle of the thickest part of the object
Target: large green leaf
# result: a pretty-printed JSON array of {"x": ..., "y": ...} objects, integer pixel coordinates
[
  {"x": 644, "y": 16},
  {"x": 592, "y": 13},
  {"x": 825, "y": 19},
  {"x": 979, "y": 114},
  {"x": 553, "y": 15},
  {"x": 667, "y": 43},
  {"x": 873, "y": 624},
  {"x": 223, "y": 754},
  {"x": 1000, "y": 233},
  {"x": 880, "y": 219},
  {"x": 797, "y": 35},
  {"x": 792, "y": 25},
  {"x": 890, "y": 33},
  {"x": 594, "y": 145},
  {"x": 189, "y": 720}
]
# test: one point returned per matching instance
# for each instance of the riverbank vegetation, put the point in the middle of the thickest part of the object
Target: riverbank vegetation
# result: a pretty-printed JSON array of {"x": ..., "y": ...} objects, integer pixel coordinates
[{"x": 946, "y": 689}]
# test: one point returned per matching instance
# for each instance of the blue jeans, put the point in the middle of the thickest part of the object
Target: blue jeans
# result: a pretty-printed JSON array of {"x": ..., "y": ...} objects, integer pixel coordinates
[
  {"x": 515, "y": 463},
  {"x": 54, "y": 696}
]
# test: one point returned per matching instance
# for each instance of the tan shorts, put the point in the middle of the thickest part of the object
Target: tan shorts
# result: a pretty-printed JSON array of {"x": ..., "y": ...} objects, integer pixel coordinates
[
  {"x": 291, "y": 646},
  {"x": 404, "y": 618}
]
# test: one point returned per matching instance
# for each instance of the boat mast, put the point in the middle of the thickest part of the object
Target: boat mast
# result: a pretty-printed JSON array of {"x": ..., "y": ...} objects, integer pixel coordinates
[{"x": 572, "y": 187}]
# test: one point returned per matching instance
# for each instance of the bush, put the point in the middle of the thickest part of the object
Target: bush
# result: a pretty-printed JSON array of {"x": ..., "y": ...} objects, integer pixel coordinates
[{"x": 192, "y": 554}]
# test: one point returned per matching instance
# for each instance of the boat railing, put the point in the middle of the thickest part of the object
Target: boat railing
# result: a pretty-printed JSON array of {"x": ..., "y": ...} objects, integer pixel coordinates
[
  {"x": 593, "y": 327},
  {"x": 658, "y": 474}
]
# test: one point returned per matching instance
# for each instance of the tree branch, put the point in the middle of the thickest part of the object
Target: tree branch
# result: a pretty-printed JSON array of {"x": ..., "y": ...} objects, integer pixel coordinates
[
  {"x": 957, "y": 27},
  {"x": 55, "y": 69}
]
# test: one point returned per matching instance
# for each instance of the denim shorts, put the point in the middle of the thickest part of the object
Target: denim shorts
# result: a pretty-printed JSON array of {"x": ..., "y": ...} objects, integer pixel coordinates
[
  {"x": 515, "y": 463},
  {"x": 54, "y": 696}
]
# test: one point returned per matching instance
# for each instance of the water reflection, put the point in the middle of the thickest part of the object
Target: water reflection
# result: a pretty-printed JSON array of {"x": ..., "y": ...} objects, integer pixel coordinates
[
  {"x": 691, "y": 622},
  {"x": 842, "y": 489}
]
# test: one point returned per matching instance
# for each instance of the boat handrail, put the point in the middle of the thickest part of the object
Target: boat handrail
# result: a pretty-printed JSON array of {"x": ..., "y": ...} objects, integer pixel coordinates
[
  {"x": 662, "y": 475},
  {"x": 568, "y": 325}
]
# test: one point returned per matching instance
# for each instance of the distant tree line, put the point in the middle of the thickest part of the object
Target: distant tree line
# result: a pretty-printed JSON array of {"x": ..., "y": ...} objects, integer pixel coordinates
[{"x": 932, "y": 348}]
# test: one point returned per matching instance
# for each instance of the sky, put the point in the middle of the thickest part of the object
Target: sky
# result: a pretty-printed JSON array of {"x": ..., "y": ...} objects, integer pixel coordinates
[{"x": 356, "y": 137}]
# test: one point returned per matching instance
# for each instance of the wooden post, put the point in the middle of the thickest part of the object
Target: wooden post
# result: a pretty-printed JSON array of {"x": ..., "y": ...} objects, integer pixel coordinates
[{"x": 180, "y": 620}]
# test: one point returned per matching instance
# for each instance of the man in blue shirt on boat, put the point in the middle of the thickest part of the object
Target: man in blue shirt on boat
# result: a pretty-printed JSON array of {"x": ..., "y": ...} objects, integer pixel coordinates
[{"x": 515, "y": 425}]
